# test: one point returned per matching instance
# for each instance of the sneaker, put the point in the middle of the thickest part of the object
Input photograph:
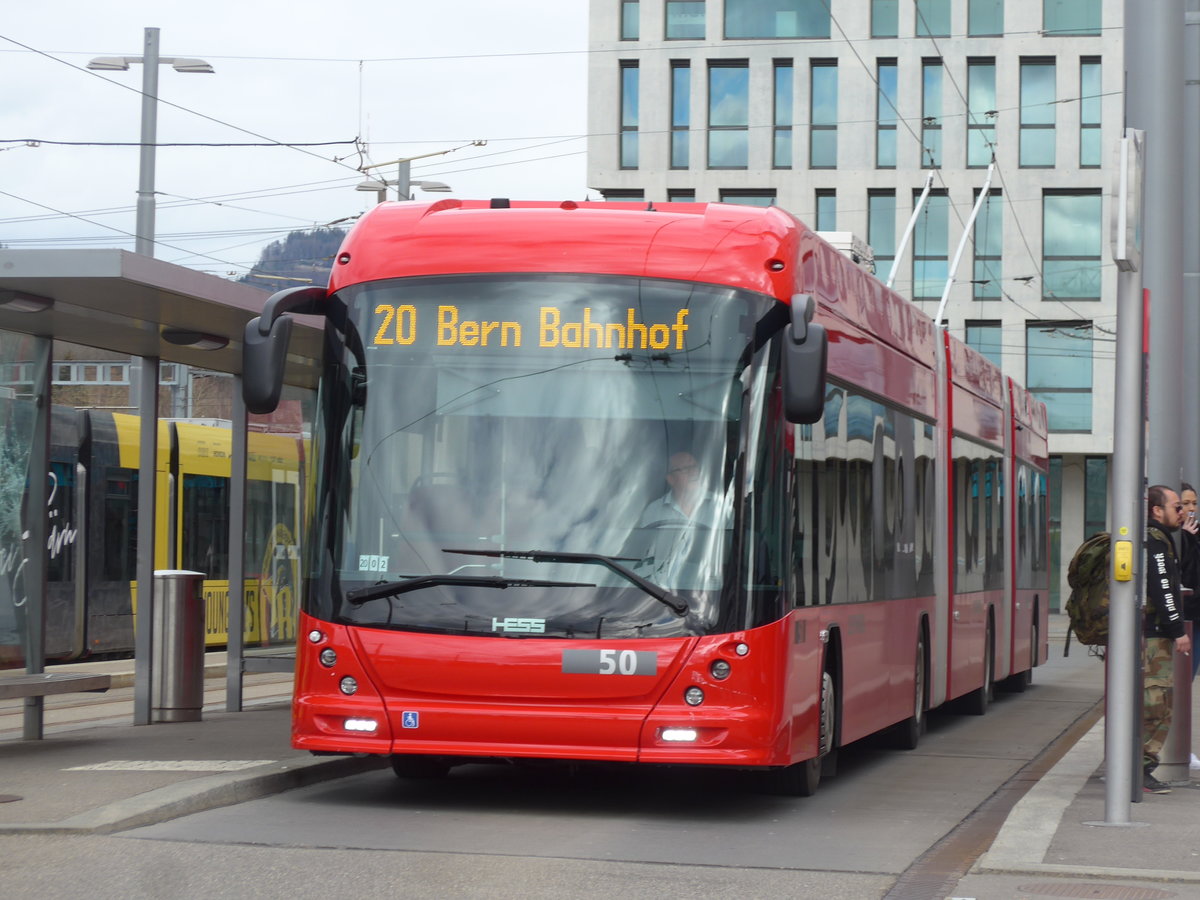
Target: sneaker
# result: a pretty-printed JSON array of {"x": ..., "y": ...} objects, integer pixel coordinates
[
  {"x": 1195, "y": 764},
  {"x": 1152, "y": 785}
]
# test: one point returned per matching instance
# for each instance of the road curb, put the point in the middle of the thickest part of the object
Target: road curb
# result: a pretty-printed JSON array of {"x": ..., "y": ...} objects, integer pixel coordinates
[{"x": 200, "y": 794}]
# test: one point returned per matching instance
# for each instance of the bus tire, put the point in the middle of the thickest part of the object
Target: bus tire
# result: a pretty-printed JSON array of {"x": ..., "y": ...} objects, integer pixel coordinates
[
  {"x": 407, "y": 765},
  {"x": 908, "y": 733},
  {"x": 801, "y": 779},
  {"x": 978, "y": 701},
  {"x": 1019, "y": 681}
]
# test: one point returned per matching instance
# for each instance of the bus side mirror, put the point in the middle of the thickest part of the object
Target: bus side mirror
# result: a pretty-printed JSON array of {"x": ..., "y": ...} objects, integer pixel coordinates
[
  {"x": 265, "y": 345},
  {"x": 805, "y": 354}
]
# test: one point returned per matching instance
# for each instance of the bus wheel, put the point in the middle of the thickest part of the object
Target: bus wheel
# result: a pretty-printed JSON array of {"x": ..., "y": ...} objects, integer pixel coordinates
[
  {"x": 978, "y": 701},
  {"x": 1018, "y": 682},
  {"x": 406, "y": 765},
  {"x": 802, "y": 778},
  {"x": 908, "y": 733}
]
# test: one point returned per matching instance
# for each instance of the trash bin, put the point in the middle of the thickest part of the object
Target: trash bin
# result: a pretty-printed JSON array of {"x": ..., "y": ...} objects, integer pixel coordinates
[{"x": 177, "y": 660}]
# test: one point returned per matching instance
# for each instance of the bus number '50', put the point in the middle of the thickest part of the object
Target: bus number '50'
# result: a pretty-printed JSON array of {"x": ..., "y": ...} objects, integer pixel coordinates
[
  {"x": 404, "y": 318},
  {"x": 610, "y": 662}
]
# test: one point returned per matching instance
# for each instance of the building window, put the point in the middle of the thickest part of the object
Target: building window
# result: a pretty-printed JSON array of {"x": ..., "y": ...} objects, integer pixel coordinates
[
  {"x": 681, "y": 113},
  {"x": 932, "y": 74},
  {"x": 823, "y": 117},
  {"x": 1037, "y": 113},
  {"x": 1058, "y": 370},
  {"x": 985, "y": 336},
  {"x": 776, "y": 19},
  {"x": 985, "y": 18},
  {"x": 629, "y": 115},
  {"x": 681, "y": 196},
  {"x": 981, "y": 111},
  {"x": 886, "y": 115},
  {"x": 168, "y": 373},
  {"x": 885, "y": 19},
  {"x": 782, "y": 150},
  {"x": 728, "y": 114},
  {"x": 826, "y": 210},
  {"x": 1095, "y": 494},
  {"x": 685, "y": 20},
  {"x": 933, "y": 18},
  {"x": 623, "y": 196},
  {"x": 989, "y": 246},
  {"x": 1089, "y": 113},
  {"x": 881, "y": 230},
  {"x": 1071, "y": 17},
  {"x": 1071, "y": 245},
  {"x": 752, "y": 197},
  {"x": 931, "y": 246},
  {"x": 630, "y": 11}
]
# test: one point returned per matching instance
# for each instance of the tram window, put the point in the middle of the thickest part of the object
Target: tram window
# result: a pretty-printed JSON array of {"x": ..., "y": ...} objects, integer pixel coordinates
[
  {"x": 205, "y": 533},
  {"x": 120, "y": 525},
  {"x": 271, "y": 523}
]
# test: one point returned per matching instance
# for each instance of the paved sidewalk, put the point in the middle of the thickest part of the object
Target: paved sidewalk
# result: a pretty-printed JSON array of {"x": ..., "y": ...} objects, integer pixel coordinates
[
  {"x": 95, "y": 772},
  {"x": 1055, "y": 842}
]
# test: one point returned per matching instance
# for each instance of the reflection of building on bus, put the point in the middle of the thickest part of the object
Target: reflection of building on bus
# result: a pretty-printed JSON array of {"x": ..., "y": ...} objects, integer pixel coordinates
[
  {"x": 92, "y": 554},
  {"x": 503, "y": 384}
]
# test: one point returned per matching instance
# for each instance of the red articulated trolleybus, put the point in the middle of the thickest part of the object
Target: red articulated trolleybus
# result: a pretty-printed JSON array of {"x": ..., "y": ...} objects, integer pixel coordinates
[{"x": 674, "y": 484}]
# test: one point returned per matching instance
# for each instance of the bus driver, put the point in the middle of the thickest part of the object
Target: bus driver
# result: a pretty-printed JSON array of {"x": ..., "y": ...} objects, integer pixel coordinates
[{"x": 683, "y": 526}]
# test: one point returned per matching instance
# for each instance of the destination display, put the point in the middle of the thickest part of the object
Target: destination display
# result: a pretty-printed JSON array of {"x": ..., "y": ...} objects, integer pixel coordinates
[{"x": 446, "y": 326}]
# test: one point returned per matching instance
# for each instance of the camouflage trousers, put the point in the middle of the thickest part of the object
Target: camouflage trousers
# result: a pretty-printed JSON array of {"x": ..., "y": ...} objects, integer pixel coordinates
[{"x": 1156, "y": 701}]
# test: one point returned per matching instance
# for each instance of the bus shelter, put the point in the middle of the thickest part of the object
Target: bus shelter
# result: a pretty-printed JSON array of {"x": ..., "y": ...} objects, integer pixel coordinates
[{"x": 146, "y": 317}]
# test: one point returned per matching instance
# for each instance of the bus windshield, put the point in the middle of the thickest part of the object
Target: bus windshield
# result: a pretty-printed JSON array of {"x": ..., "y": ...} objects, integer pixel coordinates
[{"x": 535, "y": 455}]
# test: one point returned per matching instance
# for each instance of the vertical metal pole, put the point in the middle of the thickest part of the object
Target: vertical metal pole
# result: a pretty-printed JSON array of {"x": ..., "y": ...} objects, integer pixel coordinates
[
  {"x": 143, "y": 634},
  {"x": 144, "y": 229},
  {"x": 1154, "y": 103},
  {"x": 35, "y": 568},
  {"x": 1191, "y": 239},
  {"x": 403, "y": 179},
  {"x": 1154, "y": 74},
  {"x": 1123, "y": 672},
  {"x": 237, "y": 554}
]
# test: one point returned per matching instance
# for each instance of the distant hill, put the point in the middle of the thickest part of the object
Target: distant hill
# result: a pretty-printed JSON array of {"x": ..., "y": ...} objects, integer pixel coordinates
[{"x": 303, "y": 257}]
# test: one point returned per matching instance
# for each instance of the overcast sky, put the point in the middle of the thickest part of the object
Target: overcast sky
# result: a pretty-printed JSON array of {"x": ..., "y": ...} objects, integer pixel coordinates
[{"x": 407, "y": 78}]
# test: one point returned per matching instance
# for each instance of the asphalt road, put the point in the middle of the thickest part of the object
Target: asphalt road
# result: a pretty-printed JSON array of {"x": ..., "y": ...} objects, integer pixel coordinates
[{"x": 499, "y": 831}]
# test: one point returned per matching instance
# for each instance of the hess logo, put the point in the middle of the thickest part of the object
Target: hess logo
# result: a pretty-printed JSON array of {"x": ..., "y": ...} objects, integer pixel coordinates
[{"x": 519, "y": 626}]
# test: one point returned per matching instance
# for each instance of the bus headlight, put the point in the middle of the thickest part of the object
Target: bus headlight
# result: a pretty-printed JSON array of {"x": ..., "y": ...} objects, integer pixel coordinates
[
  {"x": 719, "y": 669},
  {"x": 679, "y": 735},
  {"x": 328, "y": 657},
  {"x": 348, "y": 685},
  {"x": 367, "y": 725},
  {"x": 693, "y": 696}
]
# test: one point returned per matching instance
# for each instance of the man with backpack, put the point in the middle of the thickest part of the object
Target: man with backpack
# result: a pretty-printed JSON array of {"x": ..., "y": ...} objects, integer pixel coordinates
[{"x": 1162, "y": 626}]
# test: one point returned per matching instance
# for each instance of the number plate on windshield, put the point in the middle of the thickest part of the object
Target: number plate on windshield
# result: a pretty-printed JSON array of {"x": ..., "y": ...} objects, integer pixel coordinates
[{"x": 610, "y": 662}]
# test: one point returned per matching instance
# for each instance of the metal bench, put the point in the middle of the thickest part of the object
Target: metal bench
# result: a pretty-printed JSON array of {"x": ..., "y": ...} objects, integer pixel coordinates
[{"x": 13, "y": 687}]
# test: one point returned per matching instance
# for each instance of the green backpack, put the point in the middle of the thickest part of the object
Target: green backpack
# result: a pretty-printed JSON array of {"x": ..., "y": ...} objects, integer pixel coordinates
[{"x": 1087, "y": 607}]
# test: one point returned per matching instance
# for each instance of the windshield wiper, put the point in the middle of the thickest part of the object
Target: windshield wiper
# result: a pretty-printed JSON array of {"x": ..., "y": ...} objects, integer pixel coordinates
[
  {"x": 392, "y": 588},
  {"x": 662, "y": 595}
]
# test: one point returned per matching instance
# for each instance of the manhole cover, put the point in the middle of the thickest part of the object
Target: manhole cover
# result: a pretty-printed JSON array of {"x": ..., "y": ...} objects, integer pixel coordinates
[{"x": 1095, "y": 891}]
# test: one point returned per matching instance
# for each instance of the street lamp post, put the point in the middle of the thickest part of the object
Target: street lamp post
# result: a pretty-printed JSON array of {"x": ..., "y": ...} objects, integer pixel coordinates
[
  {"x": 150, "y": 60},
  {"x": 404, "y": 183}
]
